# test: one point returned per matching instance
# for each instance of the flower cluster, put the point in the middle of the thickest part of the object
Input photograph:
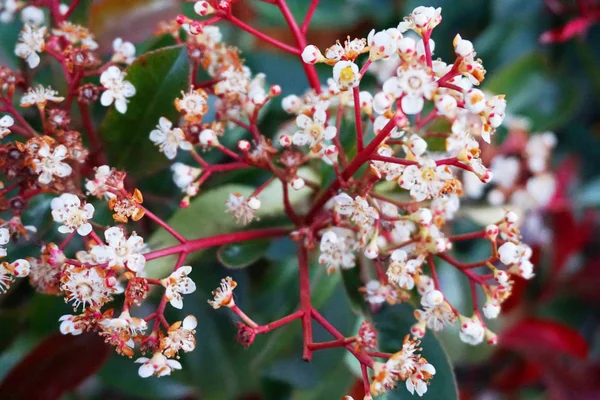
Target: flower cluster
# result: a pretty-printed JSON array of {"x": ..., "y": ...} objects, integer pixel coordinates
[{"x": 384, "y": 211}]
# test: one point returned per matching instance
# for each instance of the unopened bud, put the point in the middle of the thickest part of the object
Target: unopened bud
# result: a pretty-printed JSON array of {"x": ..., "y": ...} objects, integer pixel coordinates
[
  {"x": 182, "y": 19},
  {"x": 422, "y": 216},
  {"x": 491, "y": 232},
  {"x": 491, "y": 337},
  {"x": 196, "y": 27},
  {"x": 311, "y": 54},
  {"x": 208, "y": 137},
  {"x": 274, "y": 90},
  {"x": 254, "y": 203},
  {"x": 285, "y": 140},
  {"x": 331, "y": 152},
  {"x": 501, "y": 277},
  {"x": 511, "y": 217},
  {"x": 202, "y": 8},
  {"x": 244, "y": 145},
  {"x": 297, "y": 183},
  {"x": 372, "y": 250}
]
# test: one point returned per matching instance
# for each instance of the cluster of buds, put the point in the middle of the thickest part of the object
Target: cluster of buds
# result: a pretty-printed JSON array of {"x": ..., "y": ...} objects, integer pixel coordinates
[{"x": 394, "y": 218}]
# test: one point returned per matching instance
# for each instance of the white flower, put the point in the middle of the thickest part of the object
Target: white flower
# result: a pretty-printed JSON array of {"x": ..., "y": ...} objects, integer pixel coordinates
[
  {"x": 462, "y": 47},
  {"x": 382, "y": 44},
  {"x": 117, "y": 89},
  {"x": 69, "y": 325},
  {"x": 184, "y": 176},
  {"x": 40, "y": 96},
  {"x": 125, "y": 322},
  {"x": 168, "y": 139},
  {"x": 223, "y": 295},
  {"x": 337, "y": 249},
  {"x": 542, "y": 188},
  {"x": 32, "y": 15},
  {"x": 517, "y": 257},
  {"x": 158, "y": 365},
  {"x": 9, "y": 271},
  {"x": 98, "y": 186},
  {"x": 417, "y": 145},
  {"x": 6, "y": 122},
  {"x": 436, "y": 312},
  {"x": 31, "y": 42},
  {"x": 401, "y": 270},
  {"x": 445, "y": 207},
  {"x": 472, "y": 330},
  {"x": 391, "y": 171},
  {"x": 421, "y": 19},
  {"x": 376, "y": 293},
  {"x": 311, "y": 54},
  {"x": 8, "y": 8},
  {"x": 312, "y": 130},
  {"x": 193, "y": 104},
  {"x": 68, "y": 211},
  {"x": 346, "y": 74},
  {"x": 426, "y": 180},
  {"x": 475, "y": 101},
  {"x": 358, "y": 208},
  {"x": 177, "y": 284},
  {"x": 85, "y": 286},
  {"x": 491, "y": 308},
  {"x": 180, "y": 336},
  {"x": 241, "y": 210},
  {"x": 4, "y": 239},
  {"x": 121, "y": 251},
  {"x": 124, "y": 52},
  {"x": 417, "y": 382},
  {"x": 506, "y": 170},
  {"x": 413, "y": 85},
  {"x": 291, "y": 104}
]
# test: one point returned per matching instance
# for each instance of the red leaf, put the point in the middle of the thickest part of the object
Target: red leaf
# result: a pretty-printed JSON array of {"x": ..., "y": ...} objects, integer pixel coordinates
[
  {"x": 570, "y": 236},
  {"x": 515, "y": 375},
  {"x": 57, "y": 365},
  {"x": 575, "y": 27},
  {"x": 535, "y": 337}
]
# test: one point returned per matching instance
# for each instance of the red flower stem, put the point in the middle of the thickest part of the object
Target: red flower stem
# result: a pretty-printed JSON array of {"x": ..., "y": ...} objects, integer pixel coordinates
[
  {"x": 20, "y": 130},
  {"x": 434, "y": 274},
  {"x": 262, "y": 187},
  {"x": 309, "y": 15},
  {"x": 451, "y": 86},
  {"x": 226, "y": 167},
  {"x": 474, "y": 295},
  {"x": 190, "y": 246},
  {"x": 207, "y": 83},
  {"x": 336, "y": 139},
  {"x": 365, "y": 379},
  {"x": 72, "y": 8},
  {"x": 67, "y": 240},
  {"x": 199, "y": 159},
  {"x": 393, "y": 160},
  {"x": 354, "y": 166},
  {"x": 92, "y": 135},
  {"x": 96, "y": 238},
  {"x": 244, "y": 317},
  {"x": 305, "y": 303},
  {"x": 228, "y": 152},
  {"x": 399, "y": 204},
  {"x": 428, "y": 58},
  {"x": 9, "y": 108},
  {"x": 467, "y": 236},
  {"x": 280, "y": 322},
  {"x": 362, "y": 357},
  {"x": 429, "y": 117},
  {"x": 379, "y": 354},
  {"x": 380, "y": 272},
  {"x": 364, "y": 68},
  {"x": 260, "y": 35},
  {"x": 163, "y": 225},
  {"x": 360, "y": 145},
  {"x": 464, "y": 268},
  {"x": 289, "y": 210},
  {"x": 449, "y": 161},
  {"x": 331, "y": 344},
  {"x": 309, "y": 69}
]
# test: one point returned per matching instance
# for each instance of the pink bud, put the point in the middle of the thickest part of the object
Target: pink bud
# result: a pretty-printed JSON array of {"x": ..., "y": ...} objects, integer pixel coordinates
[
  {"x": 275, "y": 90},
  {"x": 196, "y": 27},
  {"x": 491, "y": 231},
  {"x": 181, "y": 19},
  {"x": 244, "y": 145}
]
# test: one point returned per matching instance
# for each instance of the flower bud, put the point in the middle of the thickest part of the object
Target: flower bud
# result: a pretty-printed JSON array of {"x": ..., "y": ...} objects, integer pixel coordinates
[
  {"x": 291, "y": 104},
  {"x": 475, "y": 101},
  {"x": 203, "y": 8},
  {"x": 244, "y": 146},
  {"x": 501, "y": 277},
  {"x": 331, "y": 152},
  {"x": 417, "y": 145},
  {"x": 285, "y": 140},
  {"x": 422, "y": 216},
  {"x": 407, "y": 46},
  {"x": 208, "y": 137},
  {"x": 297, "y": 183},
  {"x": 491, "y": 232},
  {"x": 245, "y": 335},
  {"x": 254, "y": 203},
  {"x": 432, "y": 298},
  {"x": 181, "y": 19},
  {"x": 196, "y": 27},
  {"x": 491, "y": 337},
  {"x": 463, "y": 48},
  {"x": 418, "y": 329},
  {"x": 511, "y": 217},
  {"x": 372, "y": 250},
  {"x": 424, "y": 284},
  {"x": 491, "y": 309},
  {"x": 311, "y": 54},
  {"x": 382, "y": 101},
  {"x": 274, "y": 90}
]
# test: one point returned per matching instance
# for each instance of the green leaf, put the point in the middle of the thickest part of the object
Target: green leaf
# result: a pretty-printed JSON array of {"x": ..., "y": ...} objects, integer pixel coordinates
[
  {"x": 206, "y": 217},
  {"x": 393, "y": 323},
  {"x": 532, "y": 91},
  {"x": 353, "y": 282},
  {"x": 242, "y": 255},
  {"x": 159, "y": 77}
]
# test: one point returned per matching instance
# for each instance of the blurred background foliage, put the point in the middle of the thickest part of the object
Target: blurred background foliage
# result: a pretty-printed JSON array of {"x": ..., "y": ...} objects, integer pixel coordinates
[{"x": 549, "y": 333}]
